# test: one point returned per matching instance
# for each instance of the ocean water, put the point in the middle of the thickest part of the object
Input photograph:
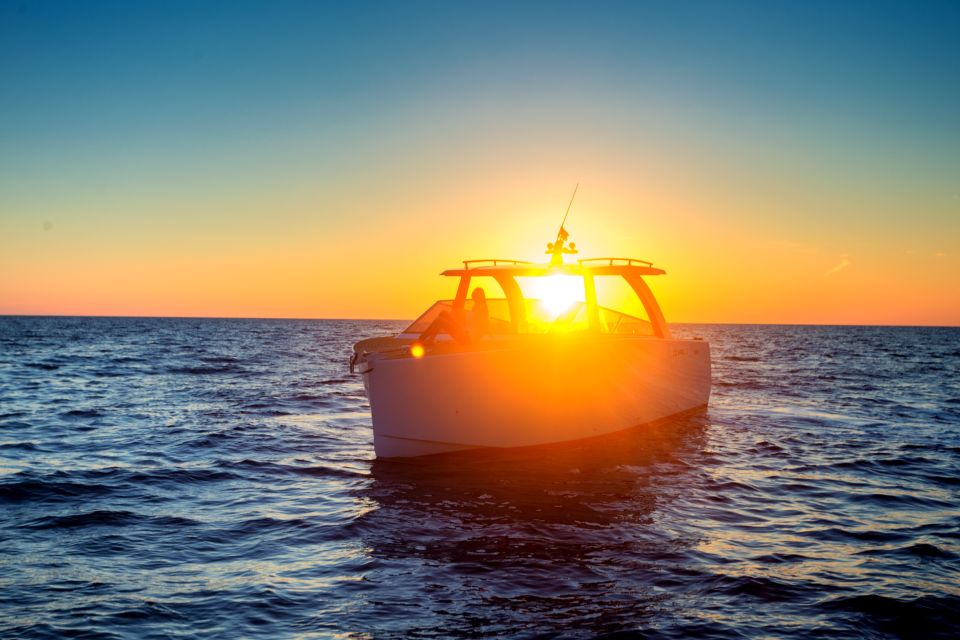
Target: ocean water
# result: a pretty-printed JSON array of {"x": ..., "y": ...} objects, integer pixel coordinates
[{"x": 177, "y": 478}]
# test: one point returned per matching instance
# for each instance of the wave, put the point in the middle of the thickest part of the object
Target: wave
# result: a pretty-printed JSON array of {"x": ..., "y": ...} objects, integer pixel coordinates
[
  {"x": 43, "y": 366},
  {"x": 761, "y": 588},
  {"x": 82, "y": 414},
  {"x": 918, "y": 550},
  {"x": 43, "y": 490},
  {"x": 927, "y": 616},
  {"x": 88, "y": 484},
  {"x": 205, "y": 371},
  {"x": 104, "y": 517}
]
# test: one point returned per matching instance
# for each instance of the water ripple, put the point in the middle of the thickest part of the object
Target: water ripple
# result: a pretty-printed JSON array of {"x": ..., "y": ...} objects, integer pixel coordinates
[{"x": 215, "y": 478}]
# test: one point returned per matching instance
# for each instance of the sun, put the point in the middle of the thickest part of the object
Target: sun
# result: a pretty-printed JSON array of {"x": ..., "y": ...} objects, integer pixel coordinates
[{"x": 559, "y": 293}]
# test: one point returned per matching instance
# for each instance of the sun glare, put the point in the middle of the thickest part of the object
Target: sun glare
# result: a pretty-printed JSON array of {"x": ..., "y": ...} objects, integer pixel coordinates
[{"x": 558, "y": 293}]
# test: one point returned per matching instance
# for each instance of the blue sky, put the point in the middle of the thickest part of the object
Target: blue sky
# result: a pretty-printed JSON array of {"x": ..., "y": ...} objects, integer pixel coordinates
[{"x": 161, "y": 72}]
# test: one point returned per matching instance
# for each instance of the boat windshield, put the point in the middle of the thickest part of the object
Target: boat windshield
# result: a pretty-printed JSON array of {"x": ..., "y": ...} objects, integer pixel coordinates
[{"x": 541, "y": 318}]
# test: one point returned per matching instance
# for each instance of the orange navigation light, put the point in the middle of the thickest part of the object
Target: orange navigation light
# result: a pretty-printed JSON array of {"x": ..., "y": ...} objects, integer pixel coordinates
[{"x": 417, "y": 350}]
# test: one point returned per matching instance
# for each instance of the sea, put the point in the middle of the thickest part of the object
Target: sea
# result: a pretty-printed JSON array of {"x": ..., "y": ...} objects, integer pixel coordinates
[{"x": 215, "y": 478}]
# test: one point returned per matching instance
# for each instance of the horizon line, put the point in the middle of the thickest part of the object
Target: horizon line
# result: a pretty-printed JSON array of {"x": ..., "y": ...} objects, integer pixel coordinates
[{"x": 349, "y": 319}]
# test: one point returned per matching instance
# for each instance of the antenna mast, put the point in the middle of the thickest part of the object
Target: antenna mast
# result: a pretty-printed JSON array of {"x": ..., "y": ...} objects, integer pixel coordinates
[{"x": 556, "y": 248}]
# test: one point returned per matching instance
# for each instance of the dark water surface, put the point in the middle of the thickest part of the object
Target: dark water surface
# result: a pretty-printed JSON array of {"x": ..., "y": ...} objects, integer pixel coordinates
[{"x": 215, "y": 478}]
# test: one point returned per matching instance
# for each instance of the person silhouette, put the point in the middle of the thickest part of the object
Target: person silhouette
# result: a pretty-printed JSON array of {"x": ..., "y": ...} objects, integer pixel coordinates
[
  {"x": 464, "y": 328},
  {"x": 479, "y": 316}
]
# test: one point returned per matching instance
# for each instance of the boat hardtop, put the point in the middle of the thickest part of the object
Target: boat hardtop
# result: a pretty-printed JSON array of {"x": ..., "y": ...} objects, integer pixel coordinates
[{"x": 513, "y": 320}]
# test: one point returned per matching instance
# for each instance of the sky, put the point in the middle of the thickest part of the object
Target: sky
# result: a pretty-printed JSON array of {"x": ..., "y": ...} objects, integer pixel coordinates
[{"x": 784, "y": 162}]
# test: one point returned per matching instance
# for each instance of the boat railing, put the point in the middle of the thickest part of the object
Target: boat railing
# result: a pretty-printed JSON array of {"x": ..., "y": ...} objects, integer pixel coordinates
[
  {"x": 491, "y": 262},
  {"x": 629, "y": 262}
]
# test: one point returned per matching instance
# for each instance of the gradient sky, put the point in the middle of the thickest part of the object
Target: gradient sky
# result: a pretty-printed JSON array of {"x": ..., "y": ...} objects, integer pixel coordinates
[{"x": 783, "y": 161}]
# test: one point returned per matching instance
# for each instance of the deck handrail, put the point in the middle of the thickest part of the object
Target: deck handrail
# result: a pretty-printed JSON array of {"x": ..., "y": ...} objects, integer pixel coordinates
[
  {"x": 494, "y": 261},
  {"x": 610, "y": 261}
]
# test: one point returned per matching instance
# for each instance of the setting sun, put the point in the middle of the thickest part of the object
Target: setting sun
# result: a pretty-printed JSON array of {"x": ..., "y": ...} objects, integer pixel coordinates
[{"x": 558, "y": 293}]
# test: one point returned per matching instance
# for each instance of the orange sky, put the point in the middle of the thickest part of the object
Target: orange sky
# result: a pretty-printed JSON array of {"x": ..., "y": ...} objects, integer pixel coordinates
[{"x": 726, "y": 260}]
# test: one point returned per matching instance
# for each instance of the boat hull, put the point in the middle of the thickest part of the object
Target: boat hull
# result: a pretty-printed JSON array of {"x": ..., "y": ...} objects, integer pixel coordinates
[{"x": 545, "y": 391}]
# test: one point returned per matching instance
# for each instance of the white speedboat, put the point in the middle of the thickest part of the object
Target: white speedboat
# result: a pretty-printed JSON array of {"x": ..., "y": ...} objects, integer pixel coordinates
[{"x": 545, "y": 362}]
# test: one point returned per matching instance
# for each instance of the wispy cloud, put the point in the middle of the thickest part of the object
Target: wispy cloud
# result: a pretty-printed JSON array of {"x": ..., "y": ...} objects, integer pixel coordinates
[
  {"x": 940, "y": 254},
  {"x": 840, "y": 266}
]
